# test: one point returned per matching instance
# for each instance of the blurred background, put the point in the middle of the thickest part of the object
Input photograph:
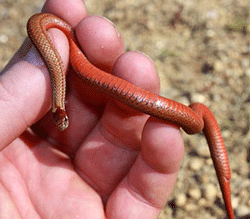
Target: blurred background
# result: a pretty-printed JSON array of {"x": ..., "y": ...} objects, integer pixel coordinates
[{"x": 201, "y": 50}]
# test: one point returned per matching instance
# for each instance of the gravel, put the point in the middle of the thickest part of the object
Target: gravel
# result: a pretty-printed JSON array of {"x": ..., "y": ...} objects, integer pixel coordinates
[{"x": 202, "y": 55}]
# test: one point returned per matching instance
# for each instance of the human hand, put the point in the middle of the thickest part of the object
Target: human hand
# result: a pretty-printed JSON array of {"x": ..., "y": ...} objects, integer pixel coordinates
[{"x": 111, "y": 162}]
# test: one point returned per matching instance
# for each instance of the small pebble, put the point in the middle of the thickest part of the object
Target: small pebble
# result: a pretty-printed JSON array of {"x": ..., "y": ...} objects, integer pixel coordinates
[
  {"x": 212, "y": 14},
  {"x": 181, "y": 199},
  {"x": 210, "y": 33},
  {"x": 243, "y": 210},
  {"x": 203, "y": 150},
  {"x": 210, "y": 191},
  {"x": 191, "y": 207},
  {"x": 195, "y": 193},
  {"x": 196, "y": 163},
  {"x": 198, "y": 97},
  {"x": 245, "y": 62},
  {"x": 3, "y": 38},
  {"x": 235, "y": 202},
  {"x": 219, "y": 66},
  {"x": 202, "y": 202}
]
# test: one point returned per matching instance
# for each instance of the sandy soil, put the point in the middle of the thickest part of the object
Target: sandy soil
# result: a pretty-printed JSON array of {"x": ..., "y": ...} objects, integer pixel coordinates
[{"x": 201, "y": 50}]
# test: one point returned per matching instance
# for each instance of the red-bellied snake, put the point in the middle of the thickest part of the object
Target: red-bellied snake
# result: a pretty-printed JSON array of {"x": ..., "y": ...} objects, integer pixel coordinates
[{"x": 193, "y": 119}]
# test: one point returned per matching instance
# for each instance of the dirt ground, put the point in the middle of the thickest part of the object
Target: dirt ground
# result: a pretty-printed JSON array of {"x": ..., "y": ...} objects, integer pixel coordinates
[{"x": 201, "y": 50}]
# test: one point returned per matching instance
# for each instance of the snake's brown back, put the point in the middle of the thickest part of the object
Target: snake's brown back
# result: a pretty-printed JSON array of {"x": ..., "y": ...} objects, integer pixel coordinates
[{"x": 37, "y": 31}]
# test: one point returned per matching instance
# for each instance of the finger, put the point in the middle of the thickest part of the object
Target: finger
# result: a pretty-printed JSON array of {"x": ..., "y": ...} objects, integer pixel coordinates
[
  {"x": 122, "y": 122},
  {"x": 111, "y": 148},
  {"x": 102, "y": 44},
  {"x": 70, "y": 11},
  {"x": 84, "y": 104},
  {"x": 149, "y": 183},
  {"x": 100, "y": 41}
]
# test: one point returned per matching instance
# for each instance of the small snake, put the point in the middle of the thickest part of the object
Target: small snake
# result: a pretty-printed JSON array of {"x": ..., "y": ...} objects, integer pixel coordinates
[{"x": 193, "y": 119}]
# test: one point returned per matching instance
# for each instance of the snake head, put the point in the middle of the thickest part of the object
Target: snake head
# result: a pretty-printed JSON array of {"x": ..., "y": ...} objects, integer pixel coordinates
[{"x": 60, "y": 119}]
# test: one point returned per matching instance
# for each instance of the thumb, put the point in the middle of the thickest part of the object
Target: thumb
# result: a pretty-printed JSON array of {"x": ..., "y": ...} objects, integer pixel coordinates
[{"x": 25, "y": 88}]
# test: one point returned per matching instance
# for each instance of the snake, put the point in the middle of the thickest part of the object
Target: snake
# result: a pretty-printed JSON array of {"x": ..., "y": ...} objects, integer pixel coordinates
[{"x": 193, "y": 119}]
